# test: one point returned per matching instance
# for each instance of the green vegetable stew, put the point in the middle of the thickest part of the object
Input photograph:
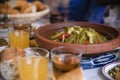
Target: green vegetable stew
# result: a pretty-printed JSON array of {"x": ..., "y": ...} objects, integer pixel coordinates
[{"x": 78, "y": 35}]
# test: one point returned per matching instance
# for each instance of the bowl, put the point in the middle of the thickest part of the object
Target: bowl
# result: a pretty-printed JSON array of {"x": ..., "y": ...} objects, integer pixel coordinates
[
  {"x": 43, "y": 33},
  {"x": 27, "y": 17},
  {"x": 108, "y": 67}
]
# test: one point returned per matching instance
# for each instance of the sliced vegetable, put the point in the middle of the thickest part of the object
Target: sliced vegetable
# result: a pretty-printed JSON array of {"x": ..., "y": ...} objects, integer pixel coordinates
[
  {"x": 78, "y": 35},
  {"x": 63, "y": 34},
  {"x": 57, "y": 34}
]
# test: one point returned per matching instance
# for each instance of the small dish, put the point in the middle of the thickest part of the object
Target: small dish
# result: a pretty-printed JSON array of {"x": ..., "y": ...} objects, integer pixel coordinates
[{"x": 108, "y": 67}]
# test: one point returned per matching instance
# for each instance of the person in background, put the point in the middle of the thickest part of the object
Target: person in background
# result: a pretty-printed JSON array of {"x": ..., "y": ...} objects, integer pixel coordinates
[{"x": 86, "y": 10}]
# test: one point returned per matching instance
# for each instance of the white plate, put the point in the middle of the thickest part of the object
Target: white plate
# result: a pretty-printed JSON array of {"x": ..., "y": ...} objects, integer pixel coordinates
[{"x": 108, "y": 67}]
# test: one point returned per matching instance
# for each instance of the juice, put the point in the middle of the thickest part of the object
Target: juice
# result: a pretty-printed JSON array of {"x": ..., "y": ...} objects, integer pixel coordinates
[
  {"x": 33, "y": 68},
  {"x": 19, "y": 38}
]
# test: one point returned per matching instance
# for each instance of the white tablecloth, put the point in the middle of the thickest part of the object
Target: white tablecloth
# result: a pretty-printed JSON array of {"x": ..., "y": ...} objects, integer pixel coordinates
[{"x": 94, "y": 74}]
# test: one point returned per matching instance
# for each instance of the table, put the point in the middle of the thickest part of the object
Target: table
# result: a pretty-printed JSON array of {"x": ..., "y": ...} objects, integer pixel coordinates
[{"x": 90, "y": 74}]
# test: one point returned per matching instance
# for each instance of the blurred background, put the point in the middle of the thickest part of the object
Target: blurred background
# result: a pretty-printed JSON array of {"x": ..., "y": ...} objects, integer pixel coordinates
[{"x": 98, "y": 11}]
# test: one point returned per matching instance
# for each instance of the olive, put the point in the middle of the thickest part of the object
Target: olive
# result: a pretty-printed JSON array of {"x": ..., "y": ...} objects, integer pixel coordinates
[{"x": 113, "y": 72}]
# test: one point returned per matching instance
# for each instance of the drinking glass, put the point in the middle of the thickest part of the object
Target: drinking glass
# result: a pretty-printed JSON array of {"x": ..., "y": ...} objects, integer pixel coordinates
[
  {"x": 65, "y": 59},
  {"x": 19, "y": 38},
  {"x": 34, "y": 66}
]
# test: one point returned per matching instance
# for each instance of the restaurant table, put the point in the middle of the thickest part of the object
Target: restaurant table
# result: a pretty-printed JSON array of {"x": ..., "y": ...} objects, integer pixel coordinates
[{"x": 90, "y": 74}]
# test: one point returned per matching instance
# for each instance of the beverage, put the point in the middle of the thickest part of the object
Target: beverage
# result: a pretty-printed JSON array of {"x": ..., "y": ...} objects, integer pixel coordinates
[
  {"x": 65, "y": 59},
  {"x": 64, "y": 65},
  {"x": 33, "y": 68},
  {"x": 19, "y": 38},
  {"x": 34, "y": 65}
]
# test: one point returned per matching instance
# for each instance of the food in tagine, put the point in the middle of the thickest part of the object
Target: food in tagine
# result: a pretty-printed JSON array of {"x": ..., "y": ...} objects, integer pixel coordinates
[
  {"x": 78, "y": 35},
  {"x": 21, "y": 7}
]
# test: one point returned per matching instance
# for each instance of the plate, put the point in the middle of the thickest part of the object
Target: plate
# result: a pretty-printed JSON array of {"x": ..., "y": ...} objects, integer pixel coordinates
[{"x": 108, "y": 67}]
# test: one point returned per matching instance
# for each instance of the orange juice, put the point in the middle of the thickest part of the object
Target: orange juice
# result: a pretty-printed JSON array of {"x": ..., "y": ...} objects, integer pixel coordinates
[
  {"x": 19, "y": 38},
  {"x": 33, "y": 68}
]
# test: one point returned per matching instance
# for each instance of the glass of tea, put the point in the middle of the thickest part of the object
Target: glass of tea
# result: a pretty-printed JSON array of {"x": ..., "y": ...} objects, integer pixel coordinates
[{"x": 65, "y": 59}]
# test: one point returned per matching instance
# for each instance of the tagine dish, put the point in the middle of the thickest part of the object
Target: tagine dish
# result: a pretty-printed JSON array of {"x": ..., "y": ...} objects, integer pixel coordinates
[{"x": 91, "y": 38}]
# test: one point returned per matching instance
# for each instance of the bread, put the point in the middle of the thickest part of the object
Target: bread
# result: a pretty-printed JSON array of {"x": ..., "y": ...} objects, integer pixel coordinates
[
  {"x": 3, "y": 8},
  {"x": 17, "y": 3},
  {"x": 29, "y": 9},
  {"x": 21, "y": 7},
  {"x": 13, "y": 11},
  {"x": 11, "y": 53},
  {"x": 75, "y": 74},
  {"x": 40, "y": 5},
  {"x": 8, "y": 63},
  {"x": 21, "y": 3}
]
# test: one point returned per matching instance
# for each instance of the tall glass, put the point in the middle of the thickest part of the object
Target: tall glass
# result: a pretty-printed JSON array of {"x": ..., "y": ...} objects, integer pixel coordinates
[
  {"x": 34, "y": 66},
  {"x": 19, "y": 38},
  {"x": 65, "y": 59}
]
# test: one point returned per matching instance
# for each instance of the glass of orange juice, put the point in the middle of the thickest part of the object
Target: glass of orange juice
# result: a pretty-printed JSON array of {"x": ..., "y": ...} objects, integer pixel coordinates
[
  {"x": 19, "y": 38},
  {"x": 34, "y": 66}
]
